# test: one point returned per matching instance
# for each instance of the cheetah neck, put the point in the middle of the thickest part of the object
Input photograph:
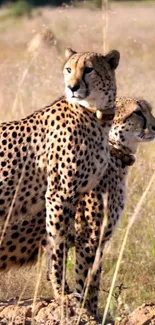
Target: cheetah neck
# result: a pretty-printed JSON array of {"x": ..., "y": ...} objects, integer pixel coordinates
[
  {"x": 106, "y": 114},
  {"x": 97, "y": 108},
  {"x": 123, "y": 153}
]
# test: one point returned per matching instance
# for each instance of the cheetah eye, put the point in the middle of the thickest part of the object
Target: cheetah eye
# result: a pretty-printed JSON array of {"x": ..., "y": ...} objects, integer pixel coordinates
[
  {"x": 139, "y": 113},
  {"x": 68, "y": 70},
  {"x": 88, "y": 70}
]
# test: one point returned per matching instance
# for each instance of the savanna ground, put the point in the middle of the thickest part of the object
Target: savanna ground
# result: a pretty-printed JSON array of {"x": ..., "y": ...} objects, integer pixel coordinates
[{"x": 31, "y": 77}]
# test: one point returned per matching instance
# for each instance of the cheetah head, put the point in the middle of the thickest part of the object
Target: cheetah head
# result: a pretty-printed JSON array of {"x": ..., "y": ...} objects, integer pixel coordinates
[
  {"x": 90, "y": 79},
  {"x": 133, "y": 123}
]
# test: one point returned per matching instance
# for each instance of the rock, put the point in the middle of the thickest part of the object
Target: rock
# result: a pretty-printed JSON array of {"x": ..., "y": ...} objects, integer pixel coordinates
[{"x": 144, "y": 315}]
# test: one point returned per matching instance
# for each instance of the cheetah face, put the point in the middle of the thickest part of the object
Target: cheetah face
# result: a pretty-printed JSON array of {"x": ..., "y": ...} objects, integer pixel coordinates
[
  {"x": 90, "y": 79},
  {"x": 133, "y": 123}
]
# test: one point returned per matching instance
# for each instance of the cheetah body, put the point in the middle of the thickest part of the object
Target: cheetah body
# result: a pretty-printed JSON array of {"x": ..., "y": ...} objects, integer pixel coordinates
[{"x": 25, "y": 160}]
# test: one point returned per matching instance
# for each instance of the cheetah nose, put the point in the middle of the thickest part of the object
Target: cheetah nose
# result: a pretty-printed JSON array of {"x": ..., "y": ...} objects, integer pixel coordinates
[{"x": 74, "y": 87}]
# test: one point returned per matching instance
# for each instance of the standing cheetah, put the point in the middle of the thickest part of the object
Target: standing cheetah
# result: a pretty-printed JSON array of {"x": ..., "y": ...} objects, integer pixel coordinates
[
  {"x": 51, "y": 158},
  {"x": 133, "y": 124}
]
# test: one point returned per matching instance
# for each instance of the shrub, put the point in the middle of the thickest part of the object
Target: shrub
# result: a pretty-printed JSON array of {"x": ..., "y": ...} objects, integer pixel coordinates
[{"x": 20, "y": 8}]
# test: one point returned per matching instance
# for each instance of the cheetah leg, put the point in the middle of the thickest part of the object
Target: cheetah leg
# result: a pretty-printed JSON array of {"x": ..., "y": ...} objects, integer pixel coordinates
[
  {"x": 50, "y": 260},
  {"x": 93, "y": 295},
  {"x": 115, "y": 206},
  {"x": 58, "y": 224},
  {"x": 89, "y": 219},
  {"x": 88, "y": 222}
]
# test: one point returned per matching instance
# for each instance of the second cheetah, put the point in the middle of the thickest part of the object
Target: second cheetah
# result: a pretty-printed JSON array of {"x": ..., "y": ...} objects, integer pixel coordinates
[{"x": 133, "y": 124}]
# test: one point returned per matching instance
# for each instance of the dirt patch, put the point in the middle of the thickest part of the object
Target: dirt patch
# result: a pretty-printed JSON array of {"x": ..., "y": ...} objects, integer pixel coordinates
[
  {"x": 144, "y": 315},
  {"x": 49, "y": 312},
  {"x": 56, "y": 312}
]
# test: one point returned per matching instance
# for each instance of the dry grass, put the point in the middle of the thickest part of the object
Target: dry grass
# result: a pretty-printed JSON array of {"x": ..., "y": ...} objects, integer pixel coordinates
[{"x": 31, "y": 80}]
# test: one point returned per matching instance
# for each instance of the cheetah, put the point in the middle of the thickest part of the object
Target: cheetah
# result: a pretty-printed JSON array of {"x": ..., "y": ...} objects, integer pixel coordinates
[
  {"x": 49, "y": 159},
  {"x": 133, "y": 123}
]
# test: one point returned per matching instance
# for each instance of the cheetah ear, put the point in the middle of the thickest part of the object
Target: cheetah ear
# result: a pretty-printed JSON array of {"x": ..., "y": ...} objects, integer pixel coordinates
[
  {"x": 69, "y": 52},
  {"x": 113, "y": 59},
  {"x": 144, "y": 104}
]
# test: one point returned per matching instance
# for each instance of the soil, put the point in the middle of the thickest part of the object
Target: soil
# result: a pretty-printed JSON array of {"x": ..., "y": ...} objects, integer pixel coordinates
[
  {"x": 54, "y": 312},
  {"x": 45, "y": 312}
]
